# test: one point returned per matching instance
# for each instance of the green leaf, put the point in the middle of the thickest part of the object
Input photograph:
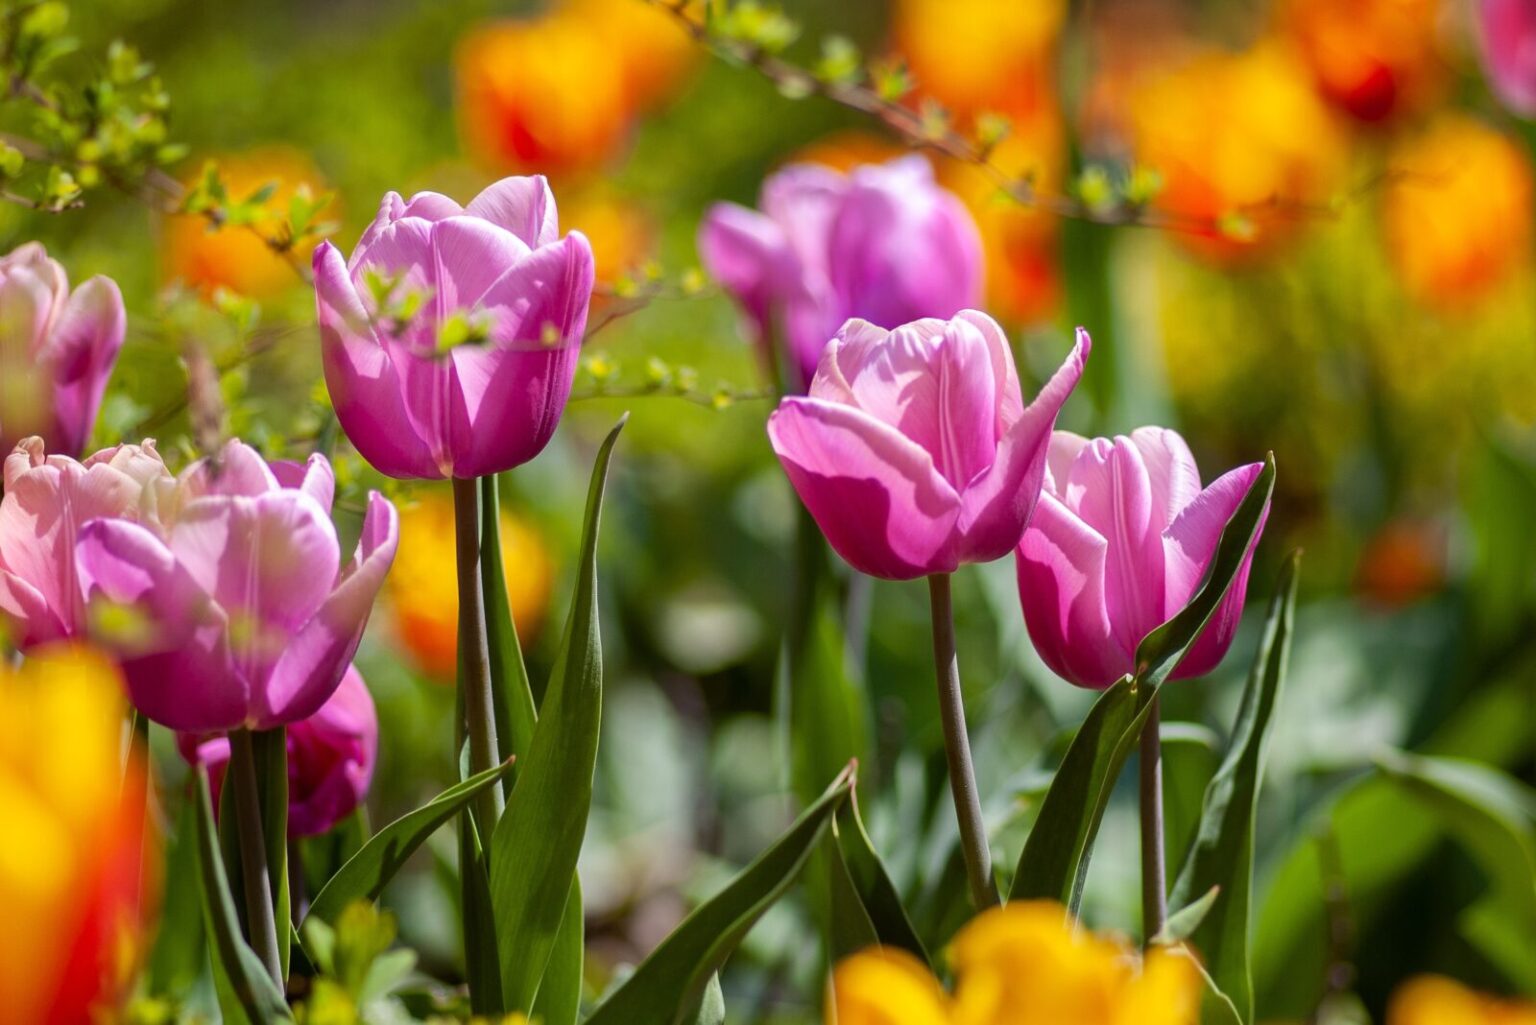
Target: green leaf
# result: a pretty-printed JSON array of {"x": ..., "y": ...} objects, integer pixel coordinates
[
  {"x": 258, "y": 996},
  {"x": 667, "y": 986},
  {"x": 559, "y": 999},
  {"x": 271, "y": 751},
  {"x": 1055, "y": 859},
  {"x": 877, "y": 895},
  {"x": 849, "y": 928},
  {"x": 1181, "y": 924},
  {"x": 180, "y": 951},
  {"x": 1222, "y": 856},
  {"x": 1190, "y": 759},
  {"x": 516, "y": 715},
  {"x": 364, "y": 876},
  {"x": 1494, "y": 817},
  {"x": 482, "y": 960},
  {"x": 535, "y": 845},
  {"x": 711, "y": 1009}
]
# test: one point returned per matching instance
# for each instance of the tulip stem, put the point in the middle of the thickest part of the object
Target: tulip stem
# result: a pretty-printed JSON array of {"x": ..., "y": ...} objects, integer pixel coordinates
[
  {"x": 1154, "y": 873},
  {"x": 261, "y": 921},
  {"x": 474, "y": 652},
  {"x": 957, "y": 748}
]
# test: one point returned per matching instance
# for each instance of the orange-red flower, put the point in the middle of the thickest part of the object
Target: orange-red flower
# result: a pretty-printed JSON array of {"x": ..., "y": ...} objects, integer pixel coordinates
[
  {"x": 1457, "y": 214},
  {"x": 981, "y": 55},
  {"x": 1373, "y": 58},
  {"x": 75, "y": 864},
  {"x": 237, "y": 257}
]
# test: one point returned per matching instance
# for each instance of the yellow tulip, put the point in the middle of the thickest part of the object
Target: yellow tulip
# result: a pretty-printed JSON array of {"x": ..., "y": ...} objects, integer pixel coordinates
[
  {"x": 885, "y": 986},
  {"x": 1436, "y": 1000}
]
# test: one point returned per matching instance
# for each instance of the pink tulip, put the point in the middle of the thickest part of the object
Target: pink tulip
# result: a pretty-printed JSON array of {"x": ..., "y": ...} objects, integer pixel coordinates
[
  {"x": 48, "y": 498},
  {"x": 1119, "y": 543},
  {"x": 1509, "y": 52},
  {"x": 451, "y": 336},
  {"x": 232, "y": 608},
  {"x": 330, "y": 758},
  {"x": 57, "y": 349},
  {"x": 914, "y": 451},
  {"x": 885, "y": 244}
]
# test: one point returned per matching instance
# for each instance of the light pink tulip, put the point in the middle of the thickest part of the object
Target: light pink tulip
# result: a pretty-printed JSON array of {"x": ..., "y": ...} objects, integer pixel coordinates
[
  {"x": 48, "y": 498},
  {"x": 884, "y": 243},
  {"x": 233, "y": 608},
  {"x": 914, "y": 451},
  {"x": 1509, "y": 52},
  {"x": 57, "y": 349},
  {"x": 1119, "y": 543},
  {"x": 331, "y": 756},
  {"x": 417, "y": 406}
]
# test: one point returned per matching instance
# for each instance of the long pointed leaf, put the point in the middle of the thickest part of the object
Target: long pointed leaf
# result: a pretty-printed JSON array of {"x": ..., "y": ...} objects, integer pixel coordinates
[
  {"x": 536, "y": 843},
  {"x": 877, "y": 895},
  {"x": 259, "y": 998},
  {"x": 1222, "y": 856},
  {"x": 364, "y": 876},
  {"x": 559, "y": 999},
  {"x": 668, "y": 985},
  {"x": 271, "y": 750},
  {"x": 1055, "y": 859},
  {"x": 516, "y": 714}
]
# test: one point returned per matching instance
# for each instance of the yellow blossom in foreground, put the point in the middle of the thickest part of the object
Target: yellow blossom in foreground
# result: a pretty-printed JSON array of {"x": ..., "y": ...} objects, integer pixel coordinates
[
  {"x": 1025, "y": 963},
  {"x": 1436, "y": 1000},
  {"x": 72, "y": 842},
  {"x": 423, "y": 583}
]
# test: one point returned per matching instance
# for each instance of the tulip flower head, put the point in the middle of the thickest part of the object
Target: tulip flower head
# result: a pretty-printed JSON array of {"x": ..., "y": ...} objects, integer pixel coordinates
[
  {"x": 48, "y": 499},
  {"x": 450, "y": 338},
  {"x": 330, "y": 758},
  {"x": 57, "y": 349},
  {"x": 884, "y": 244},
  {"x": 1119, "y": 543},
  {"x": 914, "y": 451},
  {"x": 1509, "y": 52},
  {"x": 233, "y": 609}
]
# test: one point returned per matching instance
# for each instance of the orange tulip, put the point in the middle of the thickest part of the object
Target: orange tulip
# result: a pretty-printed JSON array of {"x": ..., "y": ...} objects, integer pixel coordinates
[
  {"x": 237, "y": 257},
  {"x": 1457, "y": 216},
  {"x": 73, "y": 849},
  {"x": 1373, "y": 58},
  {"x": 1436, "y": 1000},
  {"x": 621, "y": 232},
  {"x": 653, "y": 50},
  {"x": 981, "y": 55},
  {"x": 423, "y": 586}
]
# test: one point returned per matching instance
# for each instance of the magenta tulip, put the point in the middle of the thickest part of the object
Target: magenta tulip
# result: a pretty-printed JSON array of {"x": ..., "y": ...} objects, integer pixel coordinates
[
  {"x": 330, "y": 758},
  {"x": 1119, "y": 543},
  {"x": 884, "y": 244},
  {"x": 450, "y": 338},
  {"x": 57, "y": 349},
  {"x": 1509, "y": 52},
  {"x": 914, "y": 451},
  {"x": 48, "y": 498},
  {"x": 232, "y": 609}
]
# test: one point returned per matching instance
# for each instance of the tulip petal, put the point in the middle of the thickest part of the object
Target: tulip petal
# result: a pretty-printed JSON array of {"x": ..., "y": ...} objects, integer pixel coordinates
[
  {"x": 84, "y": 346},
  {"x": 365, "y": 389},
  {"x": 308, "y": 671},
  {"x": 1113, "y": 495},
  {"x": 1064, "y": 449},
  {"x": 875, "y": 494},
  {"x": 427, "y": 206},
  {"x": 176, "y": 659},
  {"x": 314, "y": 477},
  {"x": 238, "y": 469},
  {"x": 1171, "y": 470},
  {"x": 32, "y": 620},
  {"x": 469, "y": 256},
  {"x": 803, "y": 200},
  {"x": 1061, "y": 562},
  {"x": 747, "y": 253},
  {"x": 331, "y": 758},
  {"x": 1009, "y": 401},
  {"x": 892, "y": 376},
  {"x": 997, "y": 505},
  {"x": 525, "y": 206},
  {"x": 1189, "y": 544}
]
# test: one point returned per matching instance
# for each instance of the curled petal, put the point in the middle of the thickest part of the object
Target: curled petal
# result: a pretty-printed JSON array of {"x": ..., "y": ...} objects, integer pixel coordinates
[
  {"x": 1061, "y": 563},
  {"x": 875, "y": 494},
  {"x": 1171, "y": 470},
  {"x": 32, "y": 620},
  {"x": 525, "y": 206},
  {"x": 83, "y": 348},
  {"x": 314, "y": 477}
]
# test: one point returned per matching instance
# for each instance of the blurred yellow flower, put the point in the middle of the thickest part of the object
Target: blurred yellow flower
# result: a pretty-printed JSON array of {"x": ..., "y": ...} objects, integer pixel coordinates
[
  {"x": 1243, "y": 143},
  {"x": 621, "y": 232},
  {"x": 72, "y": 841},
  {"x": 1025, "y": 963},
  {"x": 981, "y": 55},
  {"x": 1457, "y": 214},
  {"x": 653, "y": 50},
  {"x": 1373, "y": 58},
  {"x": 237, "y": 258},
  {"x": 1436, "y": 1000},
  {"x": 423, "y": 583}
]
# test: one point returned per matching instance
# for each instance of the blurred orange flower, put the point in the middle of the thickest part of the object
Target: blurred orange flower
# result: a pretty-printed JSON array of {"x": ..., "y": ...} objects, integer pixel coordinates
[
  {"x": 1402, "y": 562},
  {"x": 1373, "y": 58},
  {"x": 237, "y": 258},
  {"x": 1243, "y": 144},
  {"x": 1457, "y": 216},
  {"x": 1026, "y": 963},
  {"x": 559, "y": 92},
  {"x": 423, "y": 584},
  {"x": 621, "y": 232},
  {"x": 981, "y": 55},
  {"x": 1436, "y": 1000},
  {"x": 75, "y": 874}
]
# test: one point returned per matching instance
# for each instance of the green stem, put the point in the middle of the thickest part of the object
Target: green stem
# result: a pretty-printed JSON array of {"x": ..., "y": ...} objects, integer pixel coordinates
[
  {"x": 474, "y": 652},
  {"x": 957, "y": 748},
  {"x": 261, "y": 922},
  {"x": 1154, "y": 873}
]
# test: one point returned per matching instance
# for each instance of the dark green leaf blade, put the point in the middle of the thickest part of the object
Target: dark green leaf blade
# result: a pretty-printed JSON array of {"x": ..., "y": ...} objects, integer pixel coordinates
[
  {"x": 516, "y": 714},
  {"x": 559, "y": 999},
  {"x": 364, "y": 876},
  {"x": 259, "y": 998},
  {"x": 271, "y": 750},
  {"x": 872, "y": 884},
  {"x": 535, "y": 845},
  {"x": 667, "y": 986},
  {"x": 1222, "y": 856}
]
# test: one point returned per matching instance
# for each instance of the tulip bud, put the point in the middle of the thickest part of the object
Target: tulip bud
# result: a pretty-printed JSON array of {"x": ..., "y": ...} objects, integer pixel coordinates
[{"x": 498, "y": 280}]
